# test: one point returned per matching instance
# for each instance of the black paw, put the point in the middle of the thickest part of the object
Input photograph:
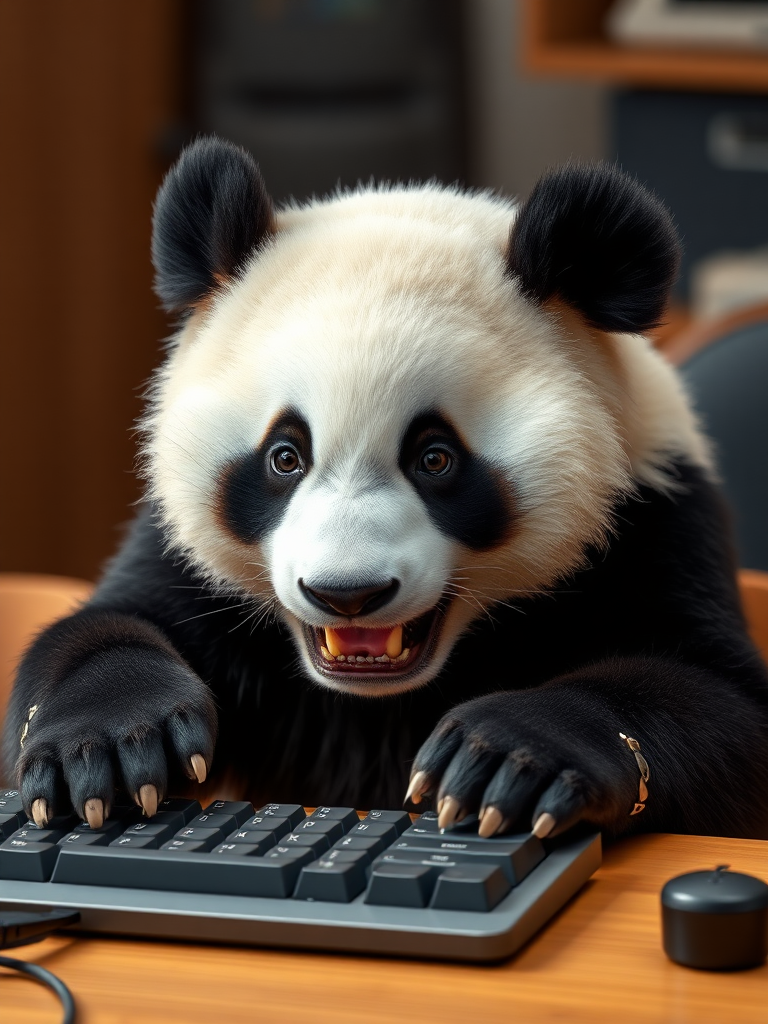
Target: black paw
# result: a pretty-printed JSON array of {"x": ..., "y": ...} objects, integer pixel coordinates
[
  {"x": 542, "y": 758},
  {"x": 128, "y": 717}
]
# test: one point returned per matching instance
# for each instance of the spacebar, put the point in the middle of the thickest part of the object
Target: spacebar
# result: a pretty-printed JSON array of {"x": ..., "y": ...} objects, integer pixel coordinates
[{"x": 191, "y": 872}]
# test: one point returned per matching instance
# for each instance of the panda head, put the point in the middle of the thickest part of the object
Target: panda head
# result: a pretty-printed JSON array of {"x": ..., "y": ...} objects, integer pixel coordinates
[{"x": 388, "y": 410}]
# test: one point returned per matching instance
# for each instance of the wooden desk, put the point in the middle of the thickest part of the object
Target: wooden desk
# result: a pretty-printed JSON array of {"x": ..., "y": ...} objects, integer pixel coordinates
[{"x": 600, "y": 960}]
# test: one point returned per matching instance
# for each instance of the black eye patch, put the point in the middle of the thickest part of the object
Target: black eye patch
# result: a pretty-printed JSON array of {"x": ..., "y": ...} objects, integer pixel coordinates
[
  {"x": 255, "y": 488},
  {"x": 468, "y": 500}
]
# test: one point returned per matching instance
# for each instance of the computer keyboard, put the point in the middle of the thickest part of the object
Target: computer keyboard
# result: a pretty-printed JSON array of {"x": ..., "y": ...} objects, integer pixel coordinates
[{"x": 331, "y": 879}]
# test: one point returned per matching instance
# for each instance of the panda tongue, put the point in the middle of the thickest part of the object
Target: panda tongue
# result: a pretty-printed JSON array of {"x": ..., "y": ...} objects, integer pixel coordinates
[{"x": 354, "y": 640}]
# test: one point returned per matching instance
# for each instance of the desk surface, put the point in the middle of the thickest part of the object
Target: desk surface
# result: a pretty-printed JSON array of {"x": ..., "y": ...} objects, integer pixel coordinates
[{"x": 600, "y": 960}]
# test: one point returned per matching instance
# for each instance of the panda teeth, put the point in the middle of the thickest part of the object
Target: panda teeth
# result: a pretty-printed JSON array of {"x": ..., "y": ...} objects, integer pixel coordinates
[
  {"x": 368, "y": 659},
  {"x": 395, "y": 642}
]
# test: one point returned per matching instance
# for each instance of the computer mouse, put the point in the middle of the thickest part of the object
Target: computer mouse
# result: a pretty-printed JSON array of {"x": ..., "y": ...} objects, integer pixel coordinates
[{"x": 715, "y": 920}]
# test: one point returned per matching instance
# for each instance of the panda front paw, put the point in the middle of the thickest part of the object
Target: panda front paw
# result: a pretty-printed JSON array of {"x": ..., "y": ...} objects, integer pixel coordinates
[
  {"x": 548, "y": 756},
  {"x": 129, "y": 717}
]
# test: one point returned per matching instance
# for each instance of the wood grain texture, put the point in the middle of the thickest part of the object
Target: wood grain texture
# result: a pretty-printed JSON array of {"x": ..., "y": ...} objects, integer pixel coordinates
[
  {"x": 600, "y": 961},
  {"x": 88, "y": 91}
]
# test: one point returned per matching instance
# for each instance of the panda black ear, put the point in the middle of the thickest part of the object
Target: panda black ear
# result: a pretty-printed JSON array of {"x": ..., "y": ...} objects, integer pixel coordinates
[
  {"x": 211, "y": 213},
  {"x": 597, "y": 239}
]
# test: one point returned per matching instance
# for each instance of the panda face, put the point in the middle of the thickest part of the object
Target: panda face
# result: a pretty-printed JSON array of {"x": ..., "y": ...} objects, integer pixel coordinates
[{"x": 373, "y": 433}]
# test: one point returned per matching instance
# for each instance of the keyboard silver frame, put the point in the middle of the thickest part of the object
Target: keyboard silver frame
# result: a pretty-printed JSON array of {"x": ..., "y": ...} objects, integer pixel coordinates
[{"x": 355, "y": 927}]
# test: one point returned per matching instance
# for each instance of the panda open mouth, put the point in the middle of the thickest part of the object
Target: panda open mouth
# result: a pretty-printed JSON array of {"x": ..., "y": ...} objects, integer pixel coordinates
[{"x": 392, "y": 651}]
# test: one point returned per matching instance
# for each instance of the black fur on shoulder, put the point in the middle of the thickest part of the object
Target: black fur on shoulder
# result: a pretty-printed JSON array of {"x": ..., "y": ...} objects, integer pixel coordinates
[
  {"x": 211, "y": 213},
  {"x": 596, "y": 238}
]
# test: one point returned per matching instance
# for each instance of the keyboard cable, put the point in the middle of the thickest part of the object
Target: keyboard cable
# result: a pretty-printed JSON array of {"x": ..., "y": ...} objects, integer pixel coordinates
[{"x": 22, "y": 929}]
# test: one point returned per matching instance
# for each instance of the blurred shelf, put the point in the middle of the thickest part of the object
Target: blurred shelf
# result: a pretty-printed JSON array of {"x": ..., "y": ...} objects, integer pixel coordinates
[{"x": 567, "y": 38}]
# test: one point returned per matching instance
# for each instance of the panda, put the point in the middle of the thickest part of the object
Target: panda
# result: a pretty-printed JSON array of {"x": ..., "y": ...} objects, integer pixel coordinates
[{"x": 426, "y": 518}]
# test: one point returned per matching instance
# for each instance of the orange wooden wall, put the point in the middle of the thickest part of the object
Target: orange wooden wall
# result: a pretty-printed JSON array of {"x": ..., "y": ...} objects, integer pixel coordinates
[{"x": 88, "y": 93}]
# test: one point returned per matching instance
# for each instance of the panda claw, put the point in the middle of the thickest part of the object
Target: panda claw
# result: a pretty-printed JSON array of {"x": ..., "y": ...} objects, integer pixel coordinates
[
  {"x": 491, "y": 822},
  {"x": 449, "y": 812},
  {"x": 40, "y": 814},
  {"x": 543, "y": 825},
  {"x": 199, "y": 767},
  {"x": 418, "y": 787},
  {"x": 95, "y": 813},
  {"x": 148, "y": 800}
]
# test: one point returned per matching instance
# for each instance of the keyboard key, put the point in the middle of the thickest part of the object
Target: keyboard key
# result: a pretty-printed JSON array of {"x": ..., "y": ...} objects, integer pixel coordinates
[
  {"x": 189, "y": 872},
  {"x": 293, "y": 812},
  {"x": 317, "y": 826},
  {"x": 185, "y": 846},
  {"x": 134, "y": 842},
  {"x": 301, "y": 854},
  {"x": 384, "y": 831},
  {"x": 130, "y": 812},
  {"x": 174, "y": 818},
  {"x": 423, "y": 825},
  {"x": 10, "y": 802},
  {"x": 240, "y": 810},
  {"x": 427, "y": 824},
  {"x": 210, "y": 837},
  {"x": 347, "y": 856},
  {"x": 235, "y": 850},
  {"x": 61, "y": 823},
  {"x": 10, "y": 822},
  {"x": 401, "y": 885},
  {"x": 476, "y": 887},
  {"x": 372, "y": 845},
  {"x": 26, "y": 861},
  {"x": 38, "y": 835},
  {"x": 318, "y": 843},
  {"x": 332, "y": 880},
  {"x": 267, "y": 823},
  {"x": 149, "y": 828},
  {"x": 112, "y": 827},
  {"x": 468, "y": 824},
  {"x": 188, "y": 809},
  {"x": 517, "y": 856},
  {"x": 262, "y": 841},
  {"x": 223, "y": 822},
  {"x": 92, "y": 838},
  {"x": 346, "y": 815},
  {"x": 400, "y": 819}
]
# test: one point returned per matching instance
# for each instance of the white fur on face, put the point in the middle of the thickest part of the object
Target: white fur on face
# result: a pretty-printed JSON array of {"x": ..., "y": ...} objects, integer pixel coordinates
[{"x": 366, "y": 311}]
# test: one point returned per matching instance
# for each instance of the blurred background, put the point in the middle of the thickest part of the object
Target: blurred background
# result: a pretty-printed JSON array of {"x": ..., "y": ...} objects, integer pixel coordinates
[{"x": 97, "y": 98}]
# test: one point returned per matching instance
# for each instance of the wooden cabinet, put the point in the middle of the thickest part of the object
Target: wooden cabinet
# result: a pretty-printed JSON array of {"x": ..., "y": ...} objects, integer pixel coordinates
[{"x": 566, "y": 38}]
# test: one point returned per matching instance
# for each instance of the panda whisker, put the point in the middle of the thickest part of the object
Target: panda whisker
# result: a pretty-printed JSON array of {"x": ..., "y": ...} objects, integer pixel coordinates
[
  {"x": 213, "y": 611},
  {"x": 469, "y": 597},
  {"x": 263, "y": 609},
  {"x": 258, "y": 576},
  {"x": 242, "y": 622},
  {"x": 454, "y": 587},
  {"x": 496, "y": 568}
]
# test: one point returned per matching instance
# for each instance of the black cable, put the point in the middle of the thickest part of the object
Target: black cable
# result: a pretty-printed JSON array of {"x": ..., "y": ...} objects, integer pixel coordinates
[{"x": 49, "y": 980}]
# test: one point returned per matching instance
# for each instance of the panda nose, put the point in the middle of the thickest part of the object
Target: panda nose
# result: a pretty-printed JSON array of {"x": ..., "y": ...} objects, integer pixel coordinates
[{"x": 350, "y": 600}]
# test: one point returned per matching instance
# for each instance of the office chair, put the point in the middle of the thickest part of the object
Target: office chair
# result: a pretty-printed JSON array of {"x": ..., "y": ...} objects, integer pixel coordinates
[{"x": 724, "y": 363}]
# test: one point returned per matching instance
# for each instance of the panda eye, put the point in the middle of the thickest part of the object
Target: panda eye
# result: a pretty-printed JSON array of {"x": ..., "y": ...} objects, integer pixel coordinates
[
  {"x": 435, "y": 461},
  {"x": 285, "y": 460}
]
